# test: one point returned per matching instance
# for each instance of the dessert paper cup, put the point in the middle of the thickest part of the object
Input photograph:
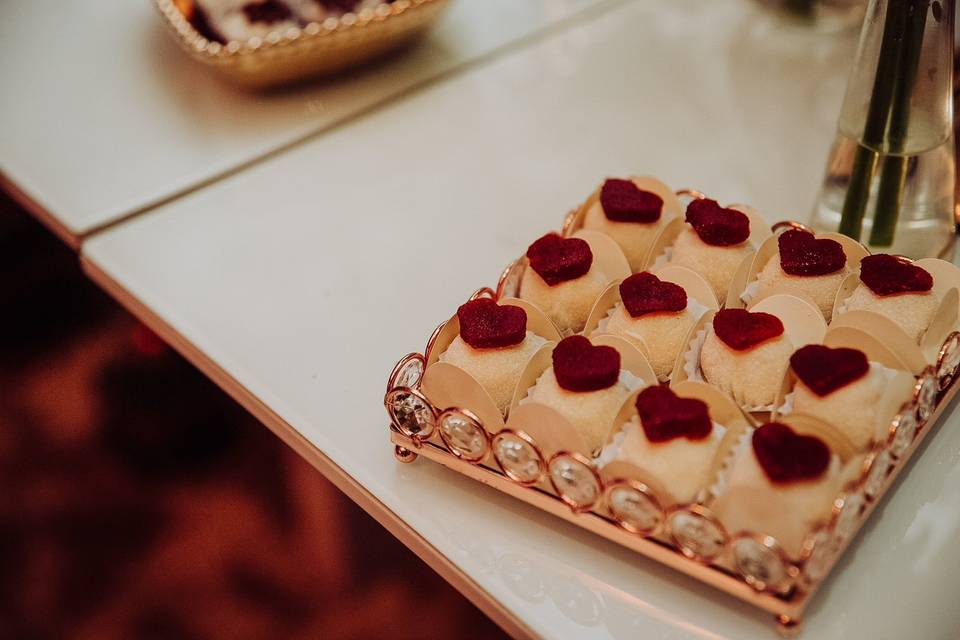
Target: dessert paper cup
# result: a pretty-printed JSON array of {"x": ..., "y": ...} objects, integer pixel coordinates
[
  {"x": 744, "y": 289},
  {"x": 447, "y": 385},
  {"x": 316, "y": 49},
  {"x": 608, "y": 260},
  {"x": 550, "y": 431},
  {"x": 736, "y": 505},
  {"x": 607, "y": 254},
  {"x": 660, "y": 251},
  {"x": 671, "y": 203},
  {"x": 946, "y": 277},
  {"x": 631, "y": 361},
  {"x": 898, "y": 382},
  {"x": 699, "y": 293},
  {"x": 915, "y": 356},
  {"x": 723, "y": 412},
  {"x": 601, "y": 309},
  {"x": 634, "y": 238},
  {"x": 687, "y": 366},
  {"x": 537, "y": 322},
  {"x": 858, "y": 338},
  {"x": 803, "y": 324},
  {"x": 691, "y": 281},
  {"x": 738, "y": 283},
  {"x": 802, "y": 321}
]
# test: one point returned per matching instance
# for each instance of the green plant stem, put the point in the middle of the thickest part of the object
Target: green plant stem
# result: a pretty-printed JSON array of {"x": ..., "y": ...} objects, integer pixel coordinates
[
  {"x": 878, "y": 112},
  {"x": 858, "y": 192},
  {"x": 893, "y": 179},
  {"x": 893, "y": 173}
]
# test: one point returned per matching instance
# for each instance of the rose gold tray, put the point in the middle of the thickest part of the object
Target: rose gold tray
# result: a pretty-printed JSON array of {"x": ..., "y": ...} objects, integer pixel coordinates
[
  {"x": 750, "y": 566},
  {"x": 318, "y": 48}
]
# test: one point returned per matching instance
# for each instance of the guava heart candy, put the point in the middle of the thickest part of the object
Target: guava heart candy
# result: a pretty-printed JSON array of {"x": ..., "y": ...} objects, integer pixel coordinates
[
  {"x": 557, "y": 259},
  {"x": 740, "y": 329},
  {"x": 824, "y": 370},
  {"x": 716, "y": 225},
  {"x": 803, "y": 254},
  {"x": 664, "y": 415},
  {"x": 644, "y": 293},
  {"x": 484, "y": 324},
  {"x": 580, "y": 366},
  {"x": 786, "y": 456},
  {"x": 624, "y": 201},
  {"x": 887, "y": 275}
]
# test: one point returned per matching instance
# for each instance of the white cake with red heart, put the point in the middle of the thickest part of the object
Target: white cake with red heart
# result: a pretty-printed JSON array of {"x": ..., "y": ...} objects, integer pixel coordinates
[
  {"x": 563, "y": 280},
  {"x": 814, "y": 267},
  {"x": 714, "y": 243},
  {"x": 672, "y": 440},
  {"x": 746, "y": 354},
  {"x": 841, "y": 387},
  {"x": 783, "y": 485},
  {"x": 895, "y": 288},
  {"x": 655, "y": 317},
  {"x": 629, "y": 214},
  {"x": 493, "y": 346},
  {"x": 586, "y": 386}
]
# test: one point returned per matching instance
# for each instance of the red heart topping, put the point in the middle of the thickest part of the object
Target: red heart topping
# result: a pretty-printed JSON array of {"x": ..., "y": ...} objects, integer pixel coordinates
[
  {"x": 486, "y": 325},
  {"x": 887, "y": 275},
  {"x": 786, "y": 456},
  {"x": 644, "y": 293},
  {"x": 716, "y": 225},
  {"x": 624, "y": 201},
  {"x": 740, "y": 329},
  {"x": 558, "y": 259},
  {"x": 580, "y": 366},
  {"x": 825, "y": 370},
  {"x": 802, "y": 254},
  {"x": 665, "y": 416}
]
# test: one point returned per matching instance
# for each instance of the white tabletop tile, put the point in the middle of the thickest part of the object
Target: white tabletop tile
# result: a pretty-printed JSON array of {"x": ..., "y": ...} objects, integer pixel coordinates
[
  {"x": 306, "y": 277},
  {"x": 102, "y": 114}
]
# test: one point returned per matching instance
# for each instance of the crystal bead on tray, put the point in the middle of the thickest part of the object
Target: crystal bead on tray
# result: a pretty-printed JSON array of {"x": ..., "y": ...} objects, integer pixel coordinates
[{"x": 672, "y": 374}]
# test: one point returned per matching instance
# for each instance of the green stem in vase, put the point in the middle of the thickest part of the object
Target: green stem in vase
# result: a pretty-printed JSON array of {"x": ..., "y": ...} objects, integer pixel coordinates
[
  {"x": 858, "y": 192},
  {"x": 878, "y": 113},
  {"x": 893, "y": 179},
  {"x": 893, "y": 174}
]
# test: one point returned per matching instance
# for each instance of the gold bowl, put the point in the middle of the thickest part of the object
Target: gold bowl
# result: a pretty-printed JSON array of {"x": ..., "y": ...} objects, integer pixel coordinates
[{"x": 316, "y": 49}]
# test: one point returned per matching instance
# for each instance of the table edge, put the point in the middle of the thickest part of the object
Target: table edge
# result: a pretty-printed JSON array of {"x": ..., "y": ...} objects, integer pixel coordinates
[{"x": 71, "y": 238}]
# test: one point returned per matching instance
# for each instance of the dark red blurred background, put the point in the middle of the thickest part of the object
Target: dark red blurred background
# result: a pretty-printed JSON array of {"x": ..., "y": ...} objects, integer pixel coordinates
[{"x": 138, "y": 501}]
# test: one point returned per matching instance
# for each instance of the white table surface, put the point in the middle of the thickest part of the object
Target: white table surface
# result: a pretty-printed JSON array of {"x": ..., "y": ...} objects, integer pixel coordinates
[
  {"x": 300, "y": 304},
  {"x": 102, "y": 115}
]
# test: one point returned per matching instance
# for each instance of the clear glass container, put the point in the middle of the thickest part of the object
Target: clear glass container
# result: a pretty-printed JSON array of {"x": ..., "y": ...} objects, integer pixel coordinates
[
  {"x": 823, "y": 15},
  {"x": 890, "y": 176}
]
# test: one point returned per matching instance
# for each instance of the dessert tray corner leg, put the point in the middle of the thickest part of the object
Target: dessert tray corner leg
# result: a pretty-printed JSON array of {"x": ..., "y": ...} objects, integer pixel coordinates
[
  {"x": 788, "y": 626},
  {"x": 403, "y": 454}
]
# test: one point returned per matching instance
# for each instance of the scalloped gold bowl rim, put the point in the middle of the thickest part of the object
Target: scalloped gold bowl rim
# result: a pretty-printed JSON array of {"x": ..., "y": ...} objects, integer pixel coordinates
[{"x": 314, "y": 32}]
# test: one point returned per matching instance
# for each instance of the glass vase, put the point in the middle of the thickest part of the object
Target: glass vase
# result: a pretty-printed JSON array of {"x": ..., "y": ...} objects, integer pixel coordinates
[
  {"x": 890, "y": 175},
  {"x": 822, "y": 15}
]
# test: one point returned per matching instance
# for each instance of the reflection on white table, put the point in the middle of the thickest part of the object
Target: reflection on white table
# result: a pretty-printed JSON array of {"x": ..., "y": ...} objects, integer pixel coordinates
[
  {"x": 304, "y": 302},
  {"x": 102, "y": 115}
]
